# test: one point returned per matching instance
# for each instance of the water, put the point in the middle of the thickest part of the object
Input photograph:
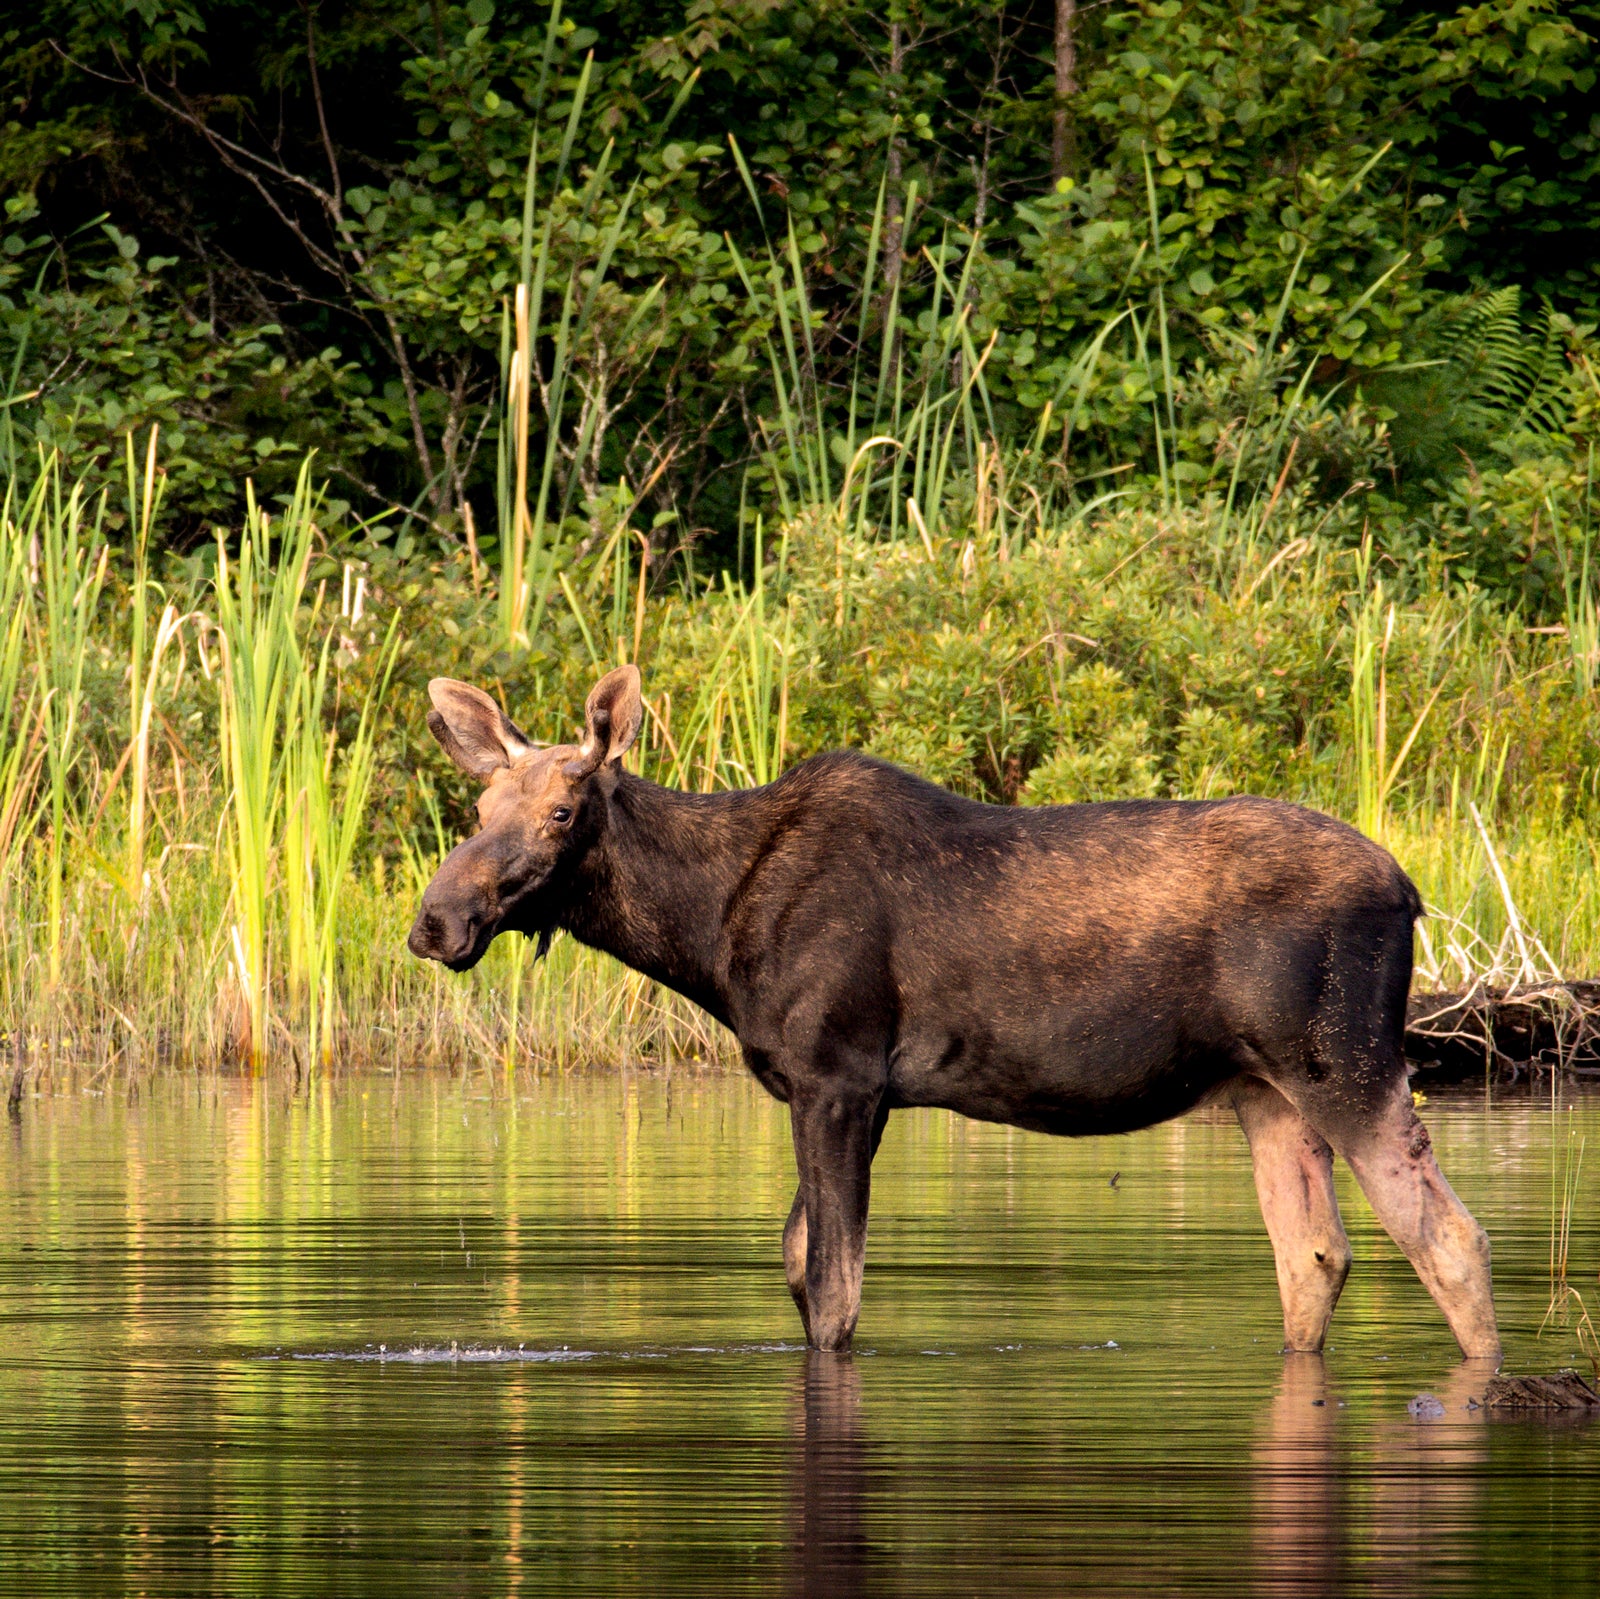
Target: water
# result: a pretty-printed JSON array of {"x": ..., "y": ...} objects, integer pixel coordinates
[{"x": 411, "y": 1337}]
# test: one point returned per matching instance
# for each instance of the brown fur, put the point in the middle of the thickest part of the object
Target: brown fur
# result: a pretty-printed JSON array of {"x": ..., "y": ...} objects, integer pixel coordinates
[{"x": 875, "y": 942}]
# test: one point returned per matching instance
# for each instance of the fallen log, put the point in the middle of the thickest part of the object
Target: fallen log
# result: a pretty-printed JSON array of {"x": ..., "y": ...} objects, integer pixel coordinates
[
  {"x": 1564, "y": 1391},
  {"x": 1505, "y": 1034}
]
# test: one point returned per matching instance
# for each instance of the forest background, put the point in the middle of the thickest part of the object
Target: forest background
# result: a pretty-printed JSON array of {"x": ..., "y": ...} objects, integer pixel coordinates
[{"x": 1068, "y": 401}]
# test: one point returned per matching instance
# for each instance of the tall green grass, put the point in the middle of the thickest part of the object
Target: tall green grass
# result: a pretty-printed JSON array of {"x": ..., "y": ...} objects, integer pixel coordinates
[
  {"x": 569, "y": 238},
  {"x": 239, "y": 958},
  {"x": 70, "y": 562},
  {"x": 297, "y": 794},
  {"x": 258, "y": 596},
  {"x": 264, "y": 928}
]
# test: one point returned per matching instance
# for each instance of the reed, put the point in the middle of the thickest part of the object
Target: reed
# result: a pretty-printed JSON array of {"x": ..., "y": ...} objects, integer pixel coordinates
[
  {"x": 556, "y": 225},
  {"x": 915, "y": 406},
  {"x": 257, "y": 596},
  {"x": 68, "y": 554},
  {"x": 1582, "y": 605},
  {"x": 1376, "y": 773},
  {"x": 1567, "y": 1308},
  {"x": 21, "y": 724},
  {"x": 330, "y": 783},
  {"x": 735, "y": 732}
]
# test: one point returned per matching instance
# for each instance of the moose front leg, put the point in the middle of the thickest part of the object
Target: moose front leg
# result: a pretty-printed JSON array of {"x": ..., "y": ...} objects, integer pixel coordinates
[
  {"x": 794, "y": 1257},
  {"x": 836, "y": 1133}
]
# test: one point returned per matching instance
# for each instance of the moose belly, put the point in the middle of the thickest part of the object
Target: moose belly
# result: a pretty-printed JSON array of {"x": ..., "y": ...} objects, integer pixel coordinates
[{"x": 1068, "y": 1075}]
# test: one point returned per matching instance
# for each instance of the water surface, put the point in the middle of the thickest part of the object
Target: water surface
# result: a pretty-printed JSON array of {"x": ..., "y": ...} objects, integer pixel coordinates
[{"x": 428, "y": 1336}]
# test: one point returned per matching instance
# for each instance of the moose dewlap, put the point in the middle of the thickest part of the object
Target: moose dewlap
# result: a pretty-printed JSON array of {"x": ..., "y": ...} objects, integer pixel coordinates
[{"x": 874, "y": 941}]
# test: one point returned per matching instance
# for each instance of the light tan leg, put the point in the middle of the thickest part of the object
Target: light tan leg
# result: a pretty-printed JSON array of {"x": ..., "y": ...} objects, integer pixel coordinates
[
  {"x": 794, "y": 1259},
  {"x": 1294, "y": 1180},
  {"x": 1392, "y": 1158}
]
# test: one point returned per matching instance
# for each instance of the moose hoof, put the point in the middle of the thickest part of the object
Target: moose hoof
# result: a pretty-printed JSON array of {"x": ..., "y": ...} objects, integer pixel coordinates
[{"x": 831, "y": 1340}]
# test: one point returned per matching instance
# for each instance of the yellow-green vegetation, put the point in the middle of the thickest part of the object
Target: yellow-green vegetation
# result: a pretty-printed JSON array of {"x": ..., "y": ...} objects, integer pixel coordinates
[{"x": 213, "y": 831}]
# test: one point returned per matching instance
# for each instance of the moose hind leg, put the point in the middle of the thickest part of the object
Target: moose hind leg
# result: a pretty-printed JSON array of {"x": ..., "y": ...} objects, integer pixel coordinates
[
  {"x": 1392, "y": 1157},
  {"x": 1294, "y": 1181}
]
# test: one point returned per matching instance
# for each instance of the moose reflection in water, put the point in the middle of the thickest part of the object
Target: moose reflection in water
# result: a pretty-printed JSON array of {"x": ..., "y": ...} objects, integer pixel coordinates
[
  {"x": 1311, "y": 1529},
  {"x": 1419, "y": 1474},
  {"x": 876, "y": 942}
]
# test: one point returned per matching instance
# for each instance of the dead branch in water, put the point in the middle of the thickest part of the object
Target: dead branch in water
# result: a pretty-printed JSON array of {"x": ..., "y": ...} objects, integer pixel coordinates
[
  {"x": 1564, "y": 1391},
  {"x": 1506, "y": 1033}
]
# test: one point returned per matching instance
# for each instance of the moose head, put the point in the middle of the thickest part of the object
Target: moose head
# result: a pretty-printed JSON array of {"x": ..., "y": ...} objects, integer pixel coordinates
[{"x": 541, "y": 812}]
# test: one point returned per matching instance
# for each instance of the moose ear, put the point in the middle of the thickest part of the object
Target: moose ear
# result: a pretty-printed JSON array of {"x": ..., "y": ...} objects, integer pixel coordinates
[
  {"x": 613, "y": 715},
  {"x": 472, "y": 730}
]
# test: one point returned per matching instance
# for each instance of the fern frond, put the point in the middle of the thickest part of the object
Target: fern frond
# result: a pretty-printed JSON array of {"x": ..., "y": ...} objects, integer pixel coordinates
[{"x": 1511, "y": 370}]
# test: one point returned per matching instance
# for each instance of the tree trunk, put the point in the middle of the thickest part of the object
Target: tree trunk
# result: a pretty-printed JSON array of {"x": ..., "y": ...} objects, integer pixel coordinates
[
  {"x": 1061, "y": 151},
  {"x": 894, "y": 213}
]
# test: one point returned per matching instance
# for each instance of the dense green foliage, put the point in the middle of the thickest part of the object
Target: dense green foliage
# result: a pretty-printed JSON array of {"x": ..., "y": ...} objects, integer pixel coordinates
[{"x": 276, "y": 228}]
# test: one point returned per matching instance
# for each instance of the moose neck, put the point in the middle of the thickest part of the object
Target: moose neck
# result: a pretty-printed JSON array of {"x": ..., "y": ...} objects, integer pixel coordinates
[{"x": 655, "y": 891}]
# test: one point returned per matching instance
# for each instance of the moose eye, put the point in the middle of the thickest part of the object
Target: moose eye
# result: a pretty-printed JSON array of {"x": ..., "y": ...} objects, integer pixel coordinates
[{"x": 561, "y": 814}]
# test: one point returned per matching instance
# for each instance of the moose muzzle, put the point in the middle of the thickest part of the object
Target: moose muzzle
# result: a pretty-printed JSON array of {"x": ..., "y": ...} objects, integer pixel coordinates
[
  {"x": 451, "y": 927},
  {"x": 439, "y": 937}
]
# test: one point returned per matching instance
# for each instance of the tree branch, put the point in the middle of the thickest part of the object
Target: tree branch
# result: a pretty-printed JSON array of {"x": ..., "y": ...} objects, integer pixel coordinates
[{"x": 337, "y": 198}]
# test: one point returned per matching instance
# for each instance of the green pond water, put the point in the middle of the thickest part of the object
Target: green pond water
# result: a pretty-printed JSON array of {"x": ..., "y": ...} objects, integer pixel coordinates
[{"x": 427, "y": 1336}]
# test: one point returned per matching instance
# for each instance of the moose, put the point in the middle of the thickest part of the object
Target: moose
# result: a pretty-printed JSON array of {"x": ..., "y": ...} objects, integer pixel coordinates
[{"x": 874, "y": 942}]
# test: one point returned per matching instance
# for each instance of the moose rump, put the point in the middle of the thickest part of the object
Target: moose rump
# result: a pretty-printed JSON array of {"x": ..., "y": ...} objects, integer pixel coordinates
[{"x": 875, "y": 942}]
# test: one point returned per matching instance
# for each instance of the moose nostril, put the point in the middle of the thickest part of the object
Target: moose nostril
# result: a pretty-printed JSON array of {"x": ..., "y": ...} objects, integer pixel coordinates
[
  {"x": 425, "y": 935},
  {"x": 442, "y": 937}
]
